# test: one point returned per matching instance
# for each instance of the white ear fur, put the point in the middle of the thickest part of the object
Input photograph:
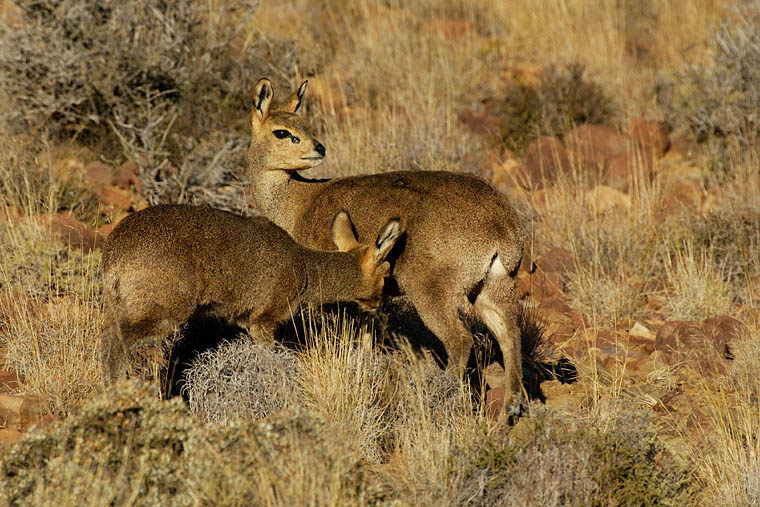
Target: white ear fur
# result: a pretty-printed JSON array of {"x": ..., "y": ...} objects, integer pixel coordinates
[{"x": 386, "y": 239}]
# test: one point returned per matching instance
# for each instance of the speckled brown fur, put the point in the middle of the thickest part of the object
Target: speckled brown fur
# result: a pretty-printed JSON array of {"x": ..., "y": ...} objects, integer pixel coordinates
[
  {"x": 163, "y": 264},
  {"x": 464, "y": 240}
]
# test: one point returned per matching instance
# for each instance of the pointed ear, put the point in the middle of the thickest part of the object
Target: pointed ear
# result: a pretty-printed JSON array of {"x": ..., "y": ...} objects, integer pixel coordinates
[
  {"x": 342, "y": 232},
  {"x": 262, "y": 99},
  {"x": 389, "y": 234},
  {"x": 294, "y": 101}
]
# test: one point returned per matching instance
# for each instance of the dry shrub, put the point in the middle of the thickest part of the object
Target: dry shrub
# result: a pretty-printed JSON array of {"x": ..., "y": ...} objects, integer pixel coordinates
[
  {"x": 731, "y": 469},
  {"x": 241, "y": 379},
  {"x": 553, "y": 461},
  {"x": 344, "y": 381},
  {"x": 146, "y": 80},
  {"x": 697, "y": 286},
  {"x": 52, "y": 338},
  {"x": 718, "y": 102},
  {"x": 564, "y": 98},
  {"x": 131, "y": 448}
]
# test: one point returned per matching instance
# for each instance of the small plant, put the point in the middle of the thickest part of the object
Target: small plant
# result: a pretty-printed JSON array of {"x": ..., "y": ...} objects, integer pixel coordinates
[
  {"x": 564, "y": 99},
  {"x": 241, "y": 379},
  {"x": 557, "y": 462},
  {"x": 718, "y": 103},
  {"x": 140, "y": 80}
]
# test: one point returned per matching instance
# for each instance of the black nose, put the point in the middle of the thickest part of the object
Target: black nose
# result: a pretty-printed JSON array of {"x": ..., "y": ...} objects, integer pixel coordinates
[{"x": 320, "y": 148}]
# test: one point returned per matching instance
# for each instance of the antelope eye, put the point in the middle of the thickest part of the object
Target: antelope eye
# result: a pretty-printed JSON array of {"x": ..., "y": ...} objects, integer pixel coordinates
[
  {"x": 281, "y": 134},
  {"x": 294, "y": 140}
]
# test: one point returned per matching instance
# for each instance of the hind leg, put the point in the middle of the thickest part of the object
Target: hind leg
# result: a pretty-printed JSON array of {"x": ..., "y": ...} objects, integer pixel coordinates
[
  {"x": 496, "y": 305},
  {"x": 439, "y": 311},
  {"x": 113, "y": 354}
]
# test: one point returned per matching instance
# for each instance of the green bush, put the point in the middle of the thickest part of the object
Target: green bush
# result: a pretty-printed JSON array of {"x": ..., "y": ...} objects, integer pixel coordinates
[{"x": 564, "y": 99}]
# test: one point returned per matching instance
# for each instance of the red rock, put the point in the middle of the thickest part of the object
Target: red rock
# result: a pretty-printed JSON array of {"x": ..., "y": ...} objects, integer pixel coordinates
[
  {"x": 541, "y": 285},
  {"x": 490, "y": 126},
  {"x": 97, "y": 174},
  {"x": 558, "y": 260},
  {"x": 543, "y": 160},
  {"x": 9, "y": 381},
  {"x": 74, "y": 233},
  {"x": 685, "y": 199},
  {"x": 128, "y": 175},
  {"x": 18, "y": 412},
  {"x": 724, "y": 331},
  {"x": 650, "y": 135},
  {"x": 555, "y": 304},
  {"x": 594, "y": 147},
  {"x": 629, "y": 171},
  {"x": 689, "y": 341},
  {"x": 115, "y": 198}
]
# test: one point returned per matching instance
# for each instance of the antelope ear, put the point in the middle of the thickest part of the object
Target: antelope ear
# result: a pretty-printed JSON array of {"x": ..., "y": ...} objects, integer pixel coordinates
[
  {"x": 262, "y": 99},
  {"x": 294, "y": 101},
  {"x": 386, "y": 239},
  {"x": 342, "y": 232}
]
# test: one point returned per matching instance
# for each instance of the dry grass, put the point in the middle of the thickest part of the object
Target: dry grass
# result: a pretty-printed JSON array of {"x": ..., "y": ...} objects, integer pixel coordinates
[{"x": 358, "y": 424}]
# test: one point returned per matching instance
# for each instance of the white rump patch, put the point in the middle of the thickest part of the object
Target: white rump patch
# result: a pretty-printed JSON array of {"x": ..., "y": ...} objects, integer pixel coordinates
[{"x": 496, "y": 269}]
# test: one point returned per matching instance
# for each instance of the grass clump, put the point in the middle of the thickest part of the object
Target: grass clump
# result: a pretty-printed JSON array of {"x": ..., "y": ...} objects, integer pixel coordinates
[
  {"x": 564, "y": 98},
  {"x": 241, "y": 379},
  {"x": 718, "y": 103},
  {"x": 552, "y": 461},
  {"x": 131, "y": 448}
]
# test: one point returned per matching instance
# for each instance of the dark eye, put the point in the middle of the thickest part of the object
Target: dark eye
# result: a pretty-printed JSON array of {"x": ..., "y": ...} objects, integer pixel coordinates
[
  {"x": 294, "y": 140},
  {"x": 281, "y": 134}
]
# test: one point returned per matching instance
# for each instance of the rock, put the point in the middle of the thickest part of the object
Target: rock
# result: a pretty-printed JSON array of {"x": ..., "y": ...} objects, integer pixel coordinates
[
  {"x": 681, "y": 146},
  {"x": 542, "y": 161},
  {"x": 642, "y": 335},
  {"x": 482, "y": 123},
  {"x": 631, "y": 170},
  {"x": 558, "y": 260},
  {"x": 74, "y": 233},
  {"x": 564, "y": 397},
  {"x": 685, "y": 199},
  {"x": 19, "y": 412},
  {"x": 97, "y": 175},
  {"x": 687, "y": 341},
  {"x": 128, "y": 175},
  {"x": 602, "y": 198},
  {"x": 650, "y": 135},
  {"x": 679, "y": 175},
  {"x": 9, "y": 381},
  {"x": 115, "y": 198},
  {"x": 541, "y": 285},
  {"x": 724, "y": 331},
  {"x": 594, "y": 147}
]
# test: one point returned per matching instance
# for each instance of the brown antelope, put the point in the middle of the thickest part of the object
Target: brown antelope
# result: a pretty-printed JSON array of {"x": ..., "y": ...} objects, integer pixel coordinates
[
  {"x": 165, "y": 263},
  {"x": 463, "y": 239}
]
